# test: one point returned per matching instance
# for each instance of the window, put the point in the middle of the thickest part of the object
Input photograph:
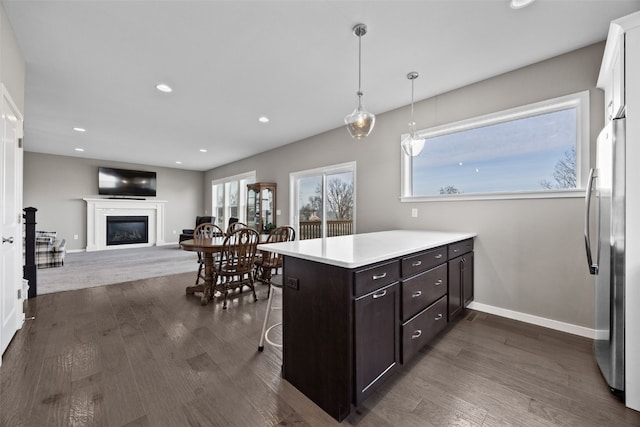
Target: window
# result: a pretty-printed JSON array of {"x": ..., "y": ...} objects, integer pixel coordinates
[
  {"x": 538, "y": 150},
  {"x": 229, "y": 197},
  {"x": 323, "y": 201}
]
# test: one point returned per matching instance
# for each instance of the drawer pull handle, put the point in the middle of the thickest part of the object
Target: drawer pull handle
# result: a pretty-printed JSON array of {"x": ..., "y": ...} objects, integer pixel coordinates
[
  {"x": 455, "y": 250},
  {"x": 438, "y": 317},
  {"x": 416, "y": 334},
  {"x": 416, "y": 294},
  {"x": 416, "y": 263},
  {"x": 438, "y": 256},
  {"x": 379, "y": 294},
  {"x": 438, "y": 283},
  {"x": 379, "y": 276}
]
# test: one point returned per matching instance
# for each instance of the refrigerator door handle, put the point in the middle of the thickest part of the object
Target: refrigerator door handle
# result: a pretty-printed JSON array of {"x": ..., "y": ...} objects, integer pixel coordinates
[{"x": 593, "y": 268}]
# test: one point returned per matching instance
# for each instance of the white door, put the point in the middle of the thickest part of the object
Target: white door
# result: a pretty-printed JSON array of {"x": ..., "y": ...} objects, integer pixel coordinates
[{"x": 11, "y": 313}]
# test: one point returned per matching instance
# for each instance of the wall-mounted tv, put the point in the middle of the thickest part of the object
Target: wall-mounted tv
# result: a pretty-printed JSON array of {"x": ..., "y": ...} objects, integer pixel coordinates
[{"x": 125, "y": 182}]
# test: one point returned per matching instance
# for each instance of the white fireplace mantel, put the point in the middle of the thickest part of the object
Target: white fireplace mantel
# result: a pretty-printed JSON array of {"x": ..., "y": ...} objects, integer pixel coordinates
[{"x": 98, "y": 209}]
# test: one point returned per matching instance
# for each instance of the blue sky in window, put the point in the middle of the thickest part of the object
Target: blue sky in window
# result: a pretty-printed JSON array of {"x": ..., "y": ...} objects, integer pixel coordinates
[{"x": 511, "y": 156}]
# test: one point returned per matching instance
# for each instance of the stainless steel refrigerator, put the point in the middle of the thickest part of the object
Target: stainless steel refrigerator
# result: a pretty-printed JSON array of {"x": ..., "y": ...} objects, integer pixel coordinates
[{"x": 606, "y": 252}]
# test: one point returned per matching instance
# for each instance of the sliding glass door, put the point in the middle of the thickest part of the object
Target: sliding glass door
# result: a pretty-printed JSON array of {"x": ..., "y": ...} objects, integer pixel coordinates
[{"x": 323, "y": 201}]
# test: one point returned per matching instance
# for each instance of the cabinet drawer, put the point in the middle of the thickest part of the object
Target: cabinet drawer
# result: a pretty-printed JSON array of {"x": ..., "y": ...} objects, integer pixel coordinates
[
  {"x": 419, "y": 291},
  {"x": 375, "y": 277},
  {"x": 423, "y": 261},
  {"x": 459, "y": 248},
  {"x": 422, "y": 328}
]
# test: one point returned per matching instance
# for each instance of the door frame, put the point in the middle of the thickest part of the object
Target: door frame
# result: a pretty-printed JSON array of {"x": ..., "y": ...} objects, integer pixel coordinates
[{"x": 294, "y": 217}]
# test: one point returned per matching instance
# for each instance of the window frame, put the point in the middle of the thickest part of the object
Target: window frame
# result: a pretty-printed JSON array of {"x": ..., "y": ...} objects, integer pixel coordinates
[
  {"x": 579, "y": 101},
  {"x": 242, "y": 194}
]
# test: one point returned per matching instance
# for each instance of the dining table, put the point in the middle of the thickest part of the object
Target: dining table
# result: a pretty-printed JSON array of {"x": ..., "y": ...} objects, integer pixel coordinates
[{"x": 208, "y": 247}]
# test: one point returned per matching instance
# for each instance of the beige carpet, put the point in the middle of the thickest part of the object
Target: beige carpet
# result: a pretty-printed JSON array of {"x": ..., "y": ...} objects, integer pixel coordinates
[{"x": 89, "y": 269}]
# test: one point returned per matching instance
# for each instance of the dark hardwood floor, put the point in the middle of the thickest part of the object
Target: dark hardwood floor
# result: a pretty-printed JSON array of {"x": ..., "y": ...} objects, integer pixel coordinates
[{"x": 144, "y": 354}]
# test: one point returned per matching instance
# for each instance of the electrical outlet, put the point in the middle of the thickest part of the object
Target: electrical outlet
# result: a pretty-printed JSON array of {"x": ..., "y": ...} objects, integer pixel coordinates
[
  {"x": 75, "y": 237},
  {"x": 414, "y": 212},
  {"x": 293, "y": 283},
  {"x": 278, "y": 212}
]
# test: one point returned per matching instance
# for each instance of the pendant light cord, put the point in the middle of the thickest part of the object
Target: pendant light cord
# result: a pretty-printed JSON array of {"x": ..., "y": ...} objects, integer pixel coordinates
[
  {"x": 359, "y": 70},
  {"x": 412, "y": 100}
]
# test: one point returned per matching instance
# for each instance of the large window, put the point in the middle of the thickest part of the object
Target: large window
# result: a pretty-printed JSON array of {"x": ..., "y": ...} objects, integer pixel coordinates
[
  {"x": 323, "y": 201},
  {"x": 538, "y": 150},
  {"x": 229, "y": 197}
]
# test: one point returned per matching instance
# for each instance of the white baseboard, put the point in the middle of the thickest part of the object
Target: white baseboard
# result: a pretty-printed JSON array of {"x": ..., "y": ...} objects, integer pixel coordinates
[
  {"x": 73, "y": 251},
  {"x": 535, "y": 320}
]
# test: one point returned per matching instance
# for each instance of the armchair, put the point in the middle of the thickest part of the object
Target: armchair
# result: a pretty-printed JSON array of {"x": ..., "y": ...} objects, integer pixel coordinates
[
  {"x": 50, "y": 251},
  {"x": 187, "y": 233}
]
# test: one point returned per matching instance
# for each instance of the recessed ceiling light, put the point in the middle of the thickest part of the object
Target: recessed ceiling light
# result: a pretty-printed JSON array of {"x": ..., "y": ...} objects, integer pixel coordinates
[
  {"x": 263, "y": 119},
  {"x": 77, "y": 129},
  {"x": 519, "y": 4},
  {"x": 79, "y": 149},
  {"x": 163, "y": 87},
  {"x": 202, "y": 150},
  {"x": 178, "y": 162}
]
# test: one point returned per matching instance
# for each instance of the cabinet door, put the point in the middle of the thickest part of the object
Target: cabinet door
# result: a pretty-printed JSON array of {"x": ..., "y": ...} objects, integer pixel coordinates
[
  {"x": 253, "y": 208},
  {"x": 377, "y": 341},
  {"x": 467, "y": 278},
  {"x": 460, "y": 283},
  {"x": 455, "y": 287}
]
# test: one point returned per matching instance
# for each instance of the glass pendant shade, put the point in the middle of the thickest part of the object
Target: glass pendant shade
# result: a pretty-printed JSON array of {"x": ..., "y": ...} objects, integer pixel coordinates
[
  {"x": 412, "y": 144},
  {"x": 360, "y": 122}
]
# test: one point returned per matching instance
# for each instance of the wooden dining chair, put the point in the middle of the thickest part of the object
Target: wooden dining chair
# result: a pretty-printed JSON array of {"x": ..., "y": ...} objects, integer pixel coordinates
[
  {"x": 234, "y": 267},
  {"x": 267, "y": 272},
  {"x": 205, "y": 230},
  {"x": 235, "y": 226},
  {"x": 268, "y": 263}
]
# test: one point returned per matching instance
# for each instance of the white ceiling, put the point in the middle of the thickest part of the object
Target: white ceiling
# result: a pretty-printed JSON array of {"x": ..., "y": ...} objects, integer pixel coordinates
[{"x": 94, "y": 64}]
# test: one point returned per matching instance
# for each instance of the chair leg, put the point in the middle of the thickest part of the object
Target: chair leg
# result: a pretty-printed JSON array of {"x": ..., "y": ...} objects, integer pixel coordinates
[
  {"x": 252, "y": 284},
  {"x": 266, "y": 320},
  {"x": 200, "y": 267}
]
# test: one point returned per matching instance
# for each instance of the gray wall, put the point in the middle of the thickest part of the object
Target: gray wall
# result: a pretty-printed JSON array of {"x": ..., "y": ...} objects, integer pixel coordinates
[
  {"x": 55, "y": 185},
  {"x": 12, "y": 66},
  {"x": 529, "y": 253}
]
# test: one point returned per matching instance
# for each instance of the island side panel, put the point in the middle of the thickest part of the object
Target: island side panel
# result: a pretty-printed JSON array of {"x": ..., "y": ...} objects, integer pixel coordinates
[{"x": 318, "y": 333}]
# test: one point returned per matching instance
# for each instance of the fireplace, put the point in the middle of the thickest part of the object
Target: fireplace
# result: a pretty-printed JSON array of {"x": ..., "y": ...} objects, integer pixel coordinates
[{"x": 127, "y": 230}]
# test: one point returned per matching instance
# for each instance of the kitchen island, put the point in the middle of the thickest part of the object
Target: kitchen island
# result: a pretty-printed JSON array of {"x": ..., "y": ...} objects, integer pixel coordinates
[{"x": 356, "y": 307}]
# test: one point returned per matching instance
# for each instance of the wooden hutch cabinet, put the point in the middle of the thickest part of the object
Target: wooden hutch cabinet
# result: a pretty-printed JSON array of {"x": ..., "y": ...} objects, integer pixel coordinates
[{"x": 261, "y": 206}]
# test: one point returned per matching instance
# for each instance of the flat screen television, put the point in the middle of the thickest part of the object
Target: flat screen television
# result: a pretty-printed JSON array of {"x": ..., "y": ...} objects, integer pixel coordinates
[{"x": 125, "y": 182}]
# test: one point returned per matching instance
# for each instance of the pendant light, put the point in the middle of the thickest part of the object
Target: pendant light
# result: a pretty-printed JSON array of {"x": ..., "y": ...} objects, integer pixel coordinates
[
  {"x": 360, "y": 122},
  {"x": 412, "y": 144}
]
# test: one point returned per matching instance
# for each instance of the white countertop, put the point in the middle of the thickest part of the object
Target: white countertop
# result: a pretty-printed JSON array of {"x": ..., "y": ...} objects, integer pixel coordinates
[{"x": 358, "y": 250}]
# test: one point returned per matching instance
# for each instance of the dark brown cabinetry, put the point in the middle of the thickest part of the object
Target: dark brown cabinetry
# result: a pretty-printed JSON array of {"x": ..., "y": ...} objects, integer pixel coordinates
[
  {"x": 345, "y": 331},
  {"x": 424, "y": 301},
  {"x": 377, "y": 347},
  {"x": 460, "y": 289},
  {"x": 423, "y": 327}
]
